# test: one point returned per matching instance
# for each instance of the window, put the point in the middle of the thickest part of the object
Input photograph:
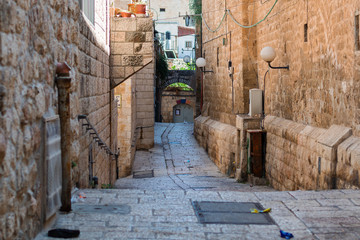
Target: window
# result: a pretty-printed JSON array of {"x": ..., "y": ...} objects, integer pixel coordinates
[
  {"x": 168, "y": 35},
  {"x": 88, "y": 8},
  {"x": 170, "y": 54},
  {"x": 162, "y": 9},
  {"x": 357, "y": 40},
  {"x": 188, "y": 44},
  {"x": 305, "y": 32}
]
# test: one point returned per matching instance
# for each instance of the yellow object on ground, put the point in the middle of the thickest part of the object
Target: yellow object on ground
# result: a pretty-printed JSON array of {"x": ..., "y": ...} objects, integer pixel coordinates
[{"x": 254, "y": 210}]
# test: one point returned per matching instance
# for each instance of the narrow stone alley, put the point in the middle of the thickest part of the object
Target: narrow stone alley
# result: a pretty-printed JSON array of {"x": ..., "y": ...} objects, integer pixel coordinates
[
  {"x": 177, "y": 176},
  {"x": 179, "y": 163}
]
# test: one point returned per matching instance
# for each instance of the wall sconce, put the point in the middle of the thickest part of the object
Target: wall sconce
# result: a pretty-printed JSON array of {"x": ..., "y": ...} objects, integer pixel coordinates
[
  {"x": 268, "y": 54},
  {"x": 200, "y": 63}
]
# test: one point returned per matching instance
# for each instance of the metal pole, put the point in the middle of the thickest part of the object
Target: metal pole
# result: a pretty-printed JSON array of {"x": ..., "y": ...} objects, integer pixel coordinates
[{"x": 63, "y": 82}]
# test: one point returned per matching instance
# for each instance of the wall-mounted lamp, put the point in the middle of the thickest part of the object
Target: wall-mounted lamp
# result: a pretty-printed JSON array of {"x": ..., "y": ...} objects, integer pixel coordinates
[
  {"x": 268, "y": 54},
  {"x": 200, "y": 63}
]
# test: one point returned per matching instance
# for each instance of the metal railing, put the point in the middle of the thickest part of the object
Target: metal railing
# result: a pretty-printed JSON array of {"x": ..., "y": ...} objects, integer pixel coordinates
[{"x": 94, "y": 134}]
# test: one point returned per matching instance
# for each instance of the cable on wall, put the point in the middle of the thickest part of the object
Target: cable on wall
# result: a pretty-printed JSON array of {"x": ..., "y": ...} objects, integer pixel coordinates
[
  {"x": 253, "y": 25},
  {"x": 228, "y": 12}
]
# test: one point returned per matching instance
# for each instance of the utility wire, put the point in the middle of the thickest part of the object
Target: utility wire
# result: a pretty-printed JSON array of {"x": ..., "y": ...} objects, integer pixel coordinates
[
  {"x": 253, "y": 25},
  {"x": 228, "y": 12},
  {"x": 216, "y": 29}
]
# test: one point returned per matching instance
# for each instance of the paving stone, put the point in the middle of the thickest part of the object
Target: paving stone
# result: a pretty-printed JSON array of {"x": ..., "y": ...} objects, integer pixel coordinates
[
  {"x": 307, "y": 195},
  {"x": 274, "y": 196},
  {"x": 337, "y": 236},
  {"x": 161, "y": 206},
  {"x": 335, "y": 202}
]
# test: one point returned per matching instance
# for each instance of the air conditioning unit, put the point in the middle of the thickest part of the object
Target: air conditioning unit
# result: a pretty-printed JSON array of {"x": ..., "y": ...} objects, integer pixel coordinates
[{"x": 256, "y": 102}]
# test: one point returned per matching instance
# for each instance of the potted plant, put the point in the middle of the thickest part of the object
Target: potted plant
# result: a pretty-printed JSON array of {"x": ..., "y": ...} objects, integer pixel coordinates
[
  {"x": 140, "y": 7},
  {"x": 125, "y": 14},
  {"x": 137, "y": 7}
]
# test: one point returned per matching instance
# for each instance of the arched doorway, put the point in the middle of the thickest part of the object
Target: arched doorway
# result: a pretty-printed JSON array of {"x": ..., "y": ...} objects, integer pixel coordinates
[{"x": 183, "y": 113}]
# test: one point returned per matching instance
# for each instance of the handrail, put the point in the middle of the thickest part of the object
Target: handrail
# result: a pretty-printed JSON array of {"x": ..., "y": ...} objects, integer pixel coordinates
[{"x": 96, "y": 138}]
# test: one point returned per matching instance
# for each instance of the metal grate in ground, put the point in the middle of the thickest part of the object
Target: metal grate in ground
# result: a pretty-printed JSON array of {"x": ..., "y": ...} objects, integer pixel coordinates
[
  {"x": 103, "y": 209},
  {"x": 143, "y": 174},
  {"x": 230, "y": 213}
]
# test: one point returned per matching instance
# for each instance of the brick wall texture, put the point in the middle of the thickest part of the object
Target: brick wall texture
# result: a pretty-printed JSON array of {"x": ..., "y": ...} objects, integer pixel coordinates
[
  {"x": 317, "y": 39},
  {"x": 34, "y": 36}
]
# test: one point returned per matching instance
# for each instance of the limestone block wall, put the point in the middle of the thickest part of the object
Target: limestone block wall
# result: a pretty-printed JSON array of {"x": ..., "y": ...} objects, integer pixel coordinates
[
  {"x": 132, "y": 76},
  {"x": 126, "y": 125},
  {"x": 145, "y": 112},
  {"x": 35, "y": 35},
  {"x": 169, "y": 100},
  {"x": 220, "y": 90},
  {"x": 319, "y": 41},
  {"x": 219, "y": 140},
  {"x": 29, "y": 51},
  {"x": 305, "y": 157},
  {"x": 96, "y": 99},
  {"x": 348, "y": 164},
  {"x": 131, "y": 47},
  {"x": 135, "y": 128},
  {"x": 322, "y": 86}
]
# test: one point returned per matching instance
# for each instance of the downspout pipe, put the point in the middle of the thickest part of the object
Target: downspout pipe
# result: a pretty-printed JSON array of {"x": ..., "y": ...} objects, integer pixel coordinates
[{"x": 63, "y": 82}]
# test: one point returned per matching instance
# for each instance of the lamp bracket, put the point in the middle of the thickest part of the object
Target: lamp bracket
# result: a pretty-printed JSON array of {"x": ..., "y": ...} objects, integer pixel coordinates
[{"x": 287, "y": 67}]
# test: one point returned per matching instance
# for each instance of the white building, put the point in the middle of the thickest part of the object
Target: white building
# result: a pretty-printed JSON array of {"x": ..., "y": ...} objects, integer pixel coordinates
[{"x": 167, "y": 24}]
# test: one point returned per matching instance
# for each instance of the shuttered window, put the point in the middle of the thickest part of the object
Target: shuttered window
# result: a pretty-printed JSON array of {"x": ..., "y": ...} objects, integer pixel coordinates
[{"x": 88, "y": 8}]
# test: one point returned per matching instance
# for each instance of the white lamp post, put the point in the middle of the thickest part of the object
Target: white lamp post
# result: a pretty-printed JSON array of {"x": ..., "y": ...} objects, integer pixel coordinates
[
  {"x": 200, "y": 63},
  {"x": 268, "y": 54}
]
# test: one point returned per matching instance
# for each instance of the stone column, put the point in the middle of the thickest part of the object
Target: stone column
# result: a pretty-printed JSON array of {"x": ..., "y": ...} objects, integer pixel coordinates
[{"x": 63, "y": 82}]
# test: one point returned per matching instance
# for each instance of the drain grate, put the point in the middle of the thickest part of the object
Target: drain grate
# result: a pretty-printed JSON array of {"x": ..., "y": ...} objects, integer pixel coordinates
[
  {"x": 104, "y": 209},
  {"x": 230, "y": 213},
  {"x": 143, "y": 174}
]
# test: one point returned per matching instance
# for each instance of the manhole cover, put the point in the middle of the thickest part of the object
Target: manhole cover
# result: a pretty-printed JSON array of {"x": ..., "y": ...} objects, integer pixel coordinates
[
  {"x": 143, "y": 174},
  {"x": 105, "y": 209},
  {"x": 230, "y": 213}
]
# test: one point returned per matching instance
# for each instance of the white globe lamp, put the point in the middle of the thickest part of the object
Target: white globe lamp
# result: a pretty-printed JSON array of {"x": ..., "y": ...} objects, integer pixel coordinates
[
  {"x": 268, "y": 54},
  {"x": 200, "y": 62}
]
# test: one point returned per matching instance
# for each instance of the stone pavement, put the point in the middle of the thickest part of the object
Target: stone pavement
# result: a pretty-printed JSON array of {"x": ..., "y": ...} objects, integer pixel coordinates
[{"x": 161, "y": 207}]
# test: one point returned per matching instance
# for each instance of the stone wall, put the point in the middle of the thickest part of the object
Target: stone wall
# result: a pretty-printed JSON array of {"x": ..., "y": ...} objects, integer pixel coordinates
[
  {"x": 322, "y": 86},
  {"x": 305, "y": 157},
  {"x": 169, "y": 100},
  {"x": 132, "y": 47},
  {"x": 219, "y": 141},
  {"x": 317, "y": 40},
  {"x": 132, "y": 76},
  {"x": 348, "y": 164},
  {"x": 126, "y": 125},
  {"x": 95, "y": 96},
  {"x": 34, "y": 37},
  {"x": 135, "y": 117},
  {"x": 145, "y": 112}
]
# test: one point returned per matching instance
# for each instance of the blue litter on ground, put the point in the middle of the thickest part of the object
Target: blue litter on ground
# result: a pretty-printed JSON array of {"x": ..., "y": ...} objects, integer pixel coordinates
[{"x": 286, "y": 235}]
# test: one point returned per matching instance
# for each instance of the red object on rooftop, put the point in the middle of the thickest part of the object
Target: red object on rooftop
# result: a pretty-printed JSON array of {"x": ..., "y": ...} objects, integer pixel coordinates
[{"x": 184, "y": 31}]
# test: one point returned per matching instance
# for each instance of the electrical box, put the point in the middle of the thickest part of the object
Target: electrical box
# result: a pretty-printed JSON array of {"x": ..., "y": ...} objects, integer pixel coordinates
[{"x": 256, "y": 102}]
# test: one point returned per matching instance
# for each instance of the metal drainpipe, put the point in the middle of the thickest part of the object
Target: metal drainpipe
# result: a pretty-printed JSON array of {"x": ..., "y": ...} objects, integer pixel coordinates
[{"x": 63, "y": 82}]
